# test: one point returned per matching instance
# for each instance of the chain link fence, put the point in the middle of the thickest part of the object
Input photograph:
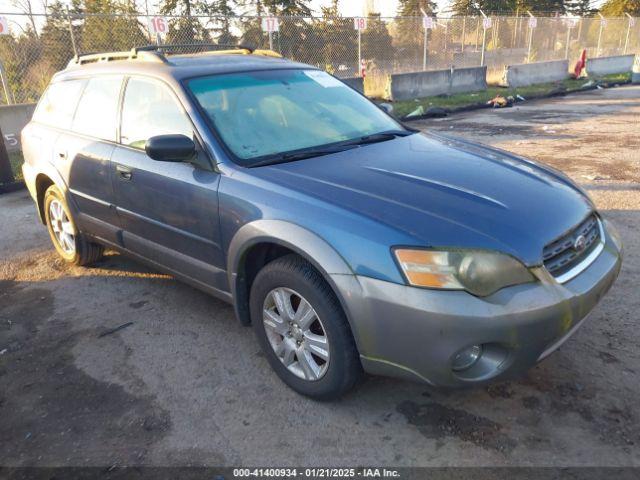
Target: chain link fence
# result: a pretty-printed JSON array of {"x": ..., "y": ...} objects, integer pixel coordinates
[{"x": 37, "y": 46}]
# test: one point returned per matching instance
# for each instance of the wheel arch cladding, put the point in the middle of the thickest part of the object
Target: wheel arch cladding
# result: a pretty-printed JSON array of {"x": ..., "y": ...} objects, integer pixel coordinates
[
  {"x": 257, "y": 243},
  {"x": 43, "y": 182}
]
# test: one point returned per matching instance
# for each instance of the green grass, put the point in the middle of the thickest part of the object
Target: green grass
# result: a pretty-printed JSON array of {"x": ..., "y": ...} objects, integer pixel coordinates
[
  {"x": 403, "y": 108},
  {"x": 16, "y": 160}
]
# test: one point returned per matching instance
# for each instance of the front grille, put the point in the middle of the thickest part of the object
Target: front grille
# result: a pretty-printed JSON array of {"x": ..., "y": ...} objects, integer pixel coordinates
[{"x": 563, "y": 254}]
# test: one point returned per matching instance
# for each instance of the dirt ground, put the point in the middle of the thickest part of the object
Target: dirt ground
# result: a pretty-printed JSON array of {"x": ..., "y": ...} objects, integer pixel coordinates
[{"x": 185, "y": 384}]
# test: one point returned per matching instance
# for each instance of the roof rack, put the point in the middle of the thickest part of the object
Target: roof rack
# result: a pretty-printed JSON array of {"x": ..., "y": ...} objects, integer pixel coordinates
[
  {"x": 157, "y": 53},
  {"x": 132, "y": 54},
  {"x": 201, "y": 47}
]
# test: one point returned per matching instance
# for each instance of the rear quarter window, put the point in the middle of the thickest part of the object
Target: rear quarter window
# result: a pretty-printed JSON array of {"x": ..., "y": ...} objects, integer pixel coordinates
[
  {"x": 97, "y": 111},
  {"x": 58, "y": 103}
]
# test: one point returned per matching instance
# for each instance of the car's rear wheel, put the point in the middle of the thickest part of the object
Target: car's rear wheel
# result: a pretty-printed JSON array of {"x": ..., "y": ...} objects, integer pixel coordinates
[
  {"x": 70, "y": 244},
  {"x": 303, "y": 330}
]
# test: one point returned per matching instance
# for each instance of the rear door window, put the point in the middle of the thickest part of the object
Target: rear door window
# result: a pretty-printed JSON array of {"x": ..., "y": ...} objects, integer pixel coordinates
[
  {"x": 149, "y": 109},
  {"x": 59, "y": 102},
  {"x": 96, "y": 114}
]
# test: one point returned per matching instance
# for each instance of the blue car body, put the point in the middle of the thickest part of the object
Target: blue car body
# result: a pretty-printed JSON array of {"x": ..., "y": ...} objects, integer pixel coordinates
[{"x": 344, "y": 212}]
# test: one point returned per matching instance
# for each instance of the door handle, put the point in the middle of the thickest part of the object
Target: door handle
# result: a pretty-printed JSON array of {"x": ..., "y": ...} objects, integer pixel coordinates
[
  {"x": 124, "y": 172},
  {"x": 62, "y": 155}
]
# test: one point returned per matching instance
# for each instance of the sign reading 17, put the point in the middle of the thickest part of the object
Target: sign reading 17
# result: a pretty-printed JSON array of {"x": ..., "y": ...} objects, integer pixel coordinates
[{"x": 270, "y": 24}]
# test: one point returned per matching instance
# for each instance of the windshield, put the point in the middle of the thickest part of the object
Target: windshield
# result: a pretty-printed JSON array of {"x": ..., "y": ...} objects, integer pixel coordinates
[{"x": 268, "y": 113}]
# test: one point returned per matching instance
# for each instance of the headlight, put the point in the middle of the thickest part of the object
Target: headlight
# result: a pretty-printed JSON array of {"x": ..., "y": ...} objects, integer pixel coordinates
[
  {"x": 613, "y": 234},
  {"x": 476, "y": 271}
]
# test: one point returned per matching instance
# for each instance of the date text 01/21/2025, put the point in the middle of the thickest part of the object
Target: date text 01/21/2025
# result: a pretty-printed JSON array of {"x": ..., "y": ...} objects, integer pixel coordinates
[{"x": 316, "y": 472}]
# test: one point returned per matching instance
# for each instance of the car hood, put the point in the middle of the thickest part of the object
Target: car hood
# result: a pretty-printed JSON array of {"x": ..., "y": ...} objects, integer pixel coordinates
[{"x": 444, "y": 192}]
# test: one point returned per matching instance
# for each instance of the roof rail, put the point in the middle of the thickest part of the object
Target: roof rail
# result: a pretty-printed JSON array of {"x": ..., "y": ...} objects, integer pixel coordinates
[
  {"x": 156, "y": 53},
  {"x": 211, "y": 48},
  {"x": 132, "y": 54},
  {"x": 200, "y": 47}
]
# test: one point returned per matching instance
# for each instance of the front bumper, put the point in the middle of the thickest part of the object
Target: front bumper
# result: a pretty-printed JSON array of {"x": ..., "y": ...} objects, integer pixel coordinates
[{"x": 415, "y": 333}]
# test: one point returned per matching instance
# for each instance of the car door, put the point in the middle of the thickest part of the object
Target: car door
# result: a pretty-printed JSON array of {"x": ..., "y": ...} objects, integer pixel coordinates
[
  {"x": 84, "y": 154},
  {"x": 168, "y": 211}
]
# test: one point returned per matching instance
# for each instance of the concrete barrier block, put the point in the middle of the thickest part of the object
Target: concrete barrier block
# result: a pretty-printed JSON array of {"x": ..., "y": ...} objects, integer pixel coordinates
[
  {"x": 356, "y": 83},
  {"x": 407, "y": 86},
  {"x": 13, "y": 118},
  {"x": 473, "y": 79},
  {"x": 525, "y": 74},
  {"x": 635, "y": 73},
  {"x": 601, "y": 66}
]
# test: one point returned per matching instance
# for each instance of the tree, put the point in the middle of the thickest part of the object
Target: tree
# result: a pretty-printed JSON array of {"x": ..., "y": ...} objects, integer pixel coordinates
[
  {"x": 56, "y": 38},
  {"x": 465, "y": 7},
  {"x": 377, "y": 43},
  {"x": 103, "y": 31},
  {"x": 414, "y": 8},
  {"x": 184, "y": 28},
  {"x": 222, "y": 11},
  {"x": 542, "y": 6},
  {"x": 27, "y": 7},
  {"x": 288, "y": 7},
  {"x": 581, "y": 8},
  {"x": 338, "y": 40},
  {"x": 408, "y": 30},
  {"x": 618, "y": 8}
]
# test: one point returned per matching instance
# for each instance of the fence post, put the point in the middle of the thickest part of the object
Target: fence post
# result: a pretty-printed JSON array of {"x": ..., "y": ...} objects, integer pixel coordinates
[
  {"x": 626, "y": 42},
  {"x": 424, "y": 49},
  {"x": 600, "y": 34},
  {"x": 73, "y": 37},
  {"x": 484, "y": 38},
  {"x": 464, "y": 32},
  {"x": 359, "y": 48},
  {"x": 6, "y": 174},
  {"x": 566, "y": 49},
  {"x": 530, "y": 37},
  {"x": 8, "y": 95}
]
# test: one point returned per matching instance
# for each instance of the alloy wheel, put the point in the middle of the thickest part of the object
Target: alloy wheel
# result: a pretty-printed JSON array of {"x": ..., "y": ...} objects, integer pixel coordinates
[
  {"x": 296, "y": 334},
  {"x": 62, "y": 227}
]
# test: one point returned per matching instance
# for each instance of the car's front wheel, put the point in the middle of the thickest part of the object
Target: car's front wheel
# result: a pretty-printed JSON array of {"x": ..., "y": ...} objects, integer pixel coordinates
[
  {"x": 70, "y": 244},
  {"x": 303, "y": 330}
]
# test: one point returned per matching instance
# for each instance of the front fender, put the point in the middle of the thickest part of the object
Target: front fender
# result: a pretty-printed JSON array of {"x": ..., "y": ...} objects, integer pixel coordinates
[{"x": 294, "y": 237}]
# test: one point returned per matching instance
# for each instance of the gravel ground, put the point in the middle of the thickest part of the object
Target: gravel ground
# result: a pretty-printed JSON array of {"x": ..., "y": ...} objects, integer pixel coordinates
[{"x": 185, "y": 384}]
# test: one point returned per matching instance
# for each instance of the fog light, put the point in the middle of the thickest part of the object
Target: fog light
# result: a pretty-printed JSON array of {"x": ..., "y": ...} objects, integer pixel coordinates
[{"x": 466, "y": 358}]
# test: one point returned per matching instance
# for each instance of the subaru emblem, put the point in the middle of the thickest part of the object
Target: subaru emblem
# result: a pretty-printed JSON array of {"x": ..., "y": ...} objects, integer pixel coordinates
[{"x": 580, "y": 243}]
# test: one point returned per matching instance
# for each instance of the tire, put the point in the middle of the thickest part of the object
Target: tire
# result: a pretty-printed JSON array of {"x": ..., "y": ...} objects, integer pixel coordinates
[
  {"x": 308, "y": 373},
  {"x": 74, "y": 248}
]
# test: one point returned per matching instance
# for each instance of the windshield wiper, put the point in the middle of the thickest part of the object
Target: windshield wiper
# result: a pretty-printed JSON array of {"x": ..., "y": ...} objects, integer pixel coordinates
[
  {"x": 309, "y": 153},
  {"x": 380, "y": 137},
  {"x": 319, "y": 151}
]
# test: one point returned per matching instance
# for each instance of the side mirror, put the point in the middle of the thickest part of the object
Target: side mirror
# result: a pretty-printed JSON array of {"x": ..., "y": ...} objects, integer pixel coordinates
[{"x": 170, "y": 148}]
